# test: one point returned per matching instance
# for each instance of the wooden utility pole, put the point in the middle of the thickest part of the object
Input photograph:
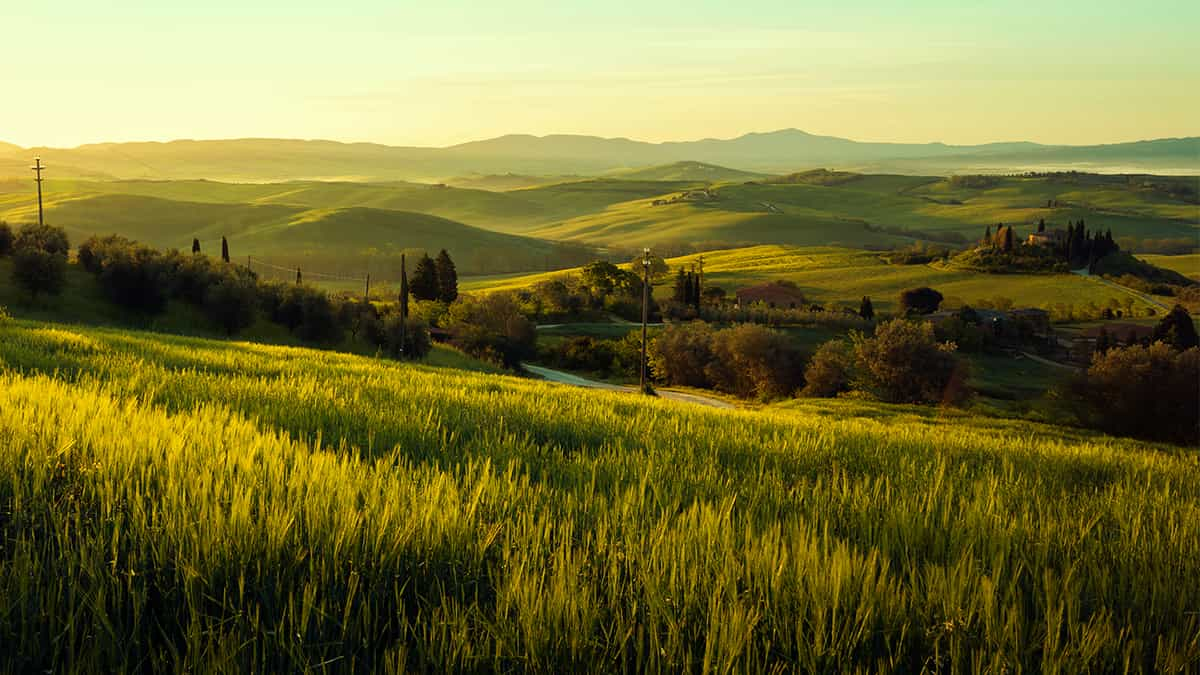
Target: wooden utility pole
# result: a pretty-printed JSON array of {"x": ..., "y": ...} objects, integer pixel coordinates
[
  {"x": 645, "y": 310},
  {"x": 367, "y": 294},
  {"x": 37, "y": 171}
]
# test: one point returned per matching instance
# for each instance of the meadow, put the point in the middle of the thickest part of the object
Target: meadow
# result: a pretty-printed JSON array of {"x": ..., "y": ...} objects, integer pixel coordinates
[
  {"x": 186, "y": 504},
  {"x": 835, "y": 274}
]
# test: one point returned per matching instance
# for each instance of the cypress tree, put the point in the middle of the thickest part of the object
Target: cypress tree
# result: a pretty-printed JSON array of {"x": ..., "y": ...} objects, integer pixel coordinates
[
  {"x": 987, "y": 236},
  {"x": 866, "y": 310},
  {"x": 424, "y": 284},
  {"x": 680, "y": 294},
  {"x": 403, "y": 289},
  {"x": 1008, "y": 239},
  {"x": 696, "y": 291},
  {"x": 1102, "y": 342},
  {"x": 224, "y": 249},
  {"x": 447, "y": 278},
  {"x": 195, "y": 247},
  {"x": 1042, "y": 225}
]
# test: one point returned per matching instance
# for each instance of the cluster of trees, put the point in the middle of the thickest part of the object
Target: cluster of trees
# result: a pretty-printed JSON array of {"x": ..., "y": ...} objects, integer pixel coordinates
[
  {"x": 747, "y": 360},
  {"x": 917, "y": 253},
  {"x": 604, "y": 357},
  {"x": 492, "y": 327},
  {"x": 39, "y": 254},
  {"x": 901, "y": 362},
  {"x": 1085, "y": 248},
  {"x": 600, "y": 288},
  {"x": 435, "y": 280},
  {"x": 687, "y": 290},
  {"x": 923, "y": 300}
]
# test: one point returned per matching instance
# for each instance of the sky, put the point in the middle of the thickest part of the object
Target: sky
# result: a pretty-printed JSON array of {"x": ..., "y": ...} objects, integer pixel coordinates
[{"x": 425, "y": 73}]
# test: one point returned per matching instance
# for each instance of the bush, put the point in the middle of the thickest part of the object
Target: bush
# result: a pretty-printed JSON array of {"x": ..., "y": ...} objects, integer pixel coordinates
[
  {"x": 830, "y": 371},
  {"x": 232, "y": 302},
  {"x": 1177, "y": 329},
  {"x": 492, "y": 327},
  {"x": 386, "y": 334},
  {"x": 754, "y": 362},
  {"x": 904, "y": 363},
  {"x": 582, "y": 352},
  {"x": 1146, "y": 392},
  {"x": 306, "y": 311},
  {"x": 40, "y": 259},
  {"x": 681, "y": 353},
  {"x": 923, "y": 300},
  {"x": 134, "y": 276},
  {"x": 6, "y": 239},
  {"x": 191, "y": 276}
]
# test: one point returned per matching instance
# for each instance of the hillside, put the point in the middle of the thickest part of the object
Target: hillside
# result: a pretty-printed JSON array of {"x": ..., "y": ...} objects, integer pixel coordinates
[
  {"x": 331, "y": 513},
  {"x": 342, "y": 240},
  {"x": 782, "y": 151},
  {"x": 827, "y": 274},
  {"x": 686, "y": 171}
]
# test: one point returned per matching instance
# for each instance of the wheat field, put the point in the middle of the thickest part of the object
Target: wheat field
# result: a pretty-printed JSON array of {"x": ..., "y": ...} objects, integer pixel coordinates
[{"x": 185, "y": 504}]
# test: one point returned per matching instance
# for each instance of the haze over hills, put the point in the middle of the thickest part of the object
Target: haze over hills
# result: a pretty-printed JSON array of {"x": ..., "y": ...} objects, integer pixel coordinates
[{"x": 257, "y": 160}]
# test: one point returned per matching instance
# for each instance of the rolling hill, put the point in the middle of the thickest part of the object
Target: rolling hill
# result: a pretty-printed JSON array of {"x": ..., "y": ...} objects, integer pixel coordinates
[
  {"x": 844, "y": 275},
  {"x": 251, "y": 160},
  {"x": 334, "y": 239},
  {"x": 686, "y": 171}
]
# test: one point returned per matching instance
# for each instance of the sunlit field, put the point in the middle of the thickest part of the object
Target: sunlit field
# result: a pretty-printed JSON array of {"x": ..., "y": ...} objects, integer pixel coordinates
[{"x": 177, "y": 503}]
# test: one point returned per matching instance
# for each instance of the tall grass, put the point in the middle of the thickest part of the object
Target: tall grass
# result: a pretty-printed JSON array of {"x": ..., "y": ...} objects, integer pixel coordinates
[{"x": 174, "y": 503}]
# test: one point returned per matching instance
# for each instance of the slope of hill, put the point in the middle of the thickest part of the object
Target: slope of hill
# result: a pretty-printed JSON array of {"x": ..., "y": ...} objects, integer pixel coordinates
[
  {"x": 336, "y": 240},
  {"x": 779, "y": 151},
  {"x": 686, "y": 171},
  {"x": 843, "y": 275},
  {"x": 287, "y": 509}
]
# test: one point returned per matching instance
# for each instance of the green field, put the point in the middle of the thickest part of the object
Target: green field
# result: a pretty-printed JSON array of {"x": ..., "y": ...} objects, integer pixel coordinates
[
  {"x": 176, "y": 503},
  {"x": 1188, "y": 265},
  {"x": 830, "y": 274},
  {"x": 514, "y": 230}
]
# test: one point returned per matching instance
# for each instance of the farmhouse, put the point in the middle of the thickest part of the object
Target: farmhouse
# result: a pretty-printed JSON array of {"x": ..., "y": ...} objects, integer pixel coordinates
[
  {"x": 1047, "y": 238},
  {"x": 773, "y": 294}
]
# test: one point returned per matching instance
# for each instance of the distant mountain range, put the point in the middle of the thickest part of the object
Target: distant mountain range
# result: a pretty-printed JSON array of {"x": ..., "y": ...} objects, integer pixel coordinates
[{"x": 784, "y": 151}]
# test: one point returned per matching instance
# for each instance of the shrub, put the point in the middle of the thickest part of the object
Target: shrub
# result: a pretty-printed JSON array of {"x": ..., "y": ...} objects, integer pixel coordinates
[
  {"x": 1177, "y": 329},
  {"x": 923, "y": 300},
  {"x": 359, "y": 317},
  {"x": 135, "y": 277},
  {"x": 582, "y": 352},
  {"x": 387, "y": 334},
  {"x": 492, "y": 327},
  {"x": 904, "y": 363},
  {"x": 232, "y": 302},
  {"x": 830, "y": 371},
  {"x": 307, "y": 312},
  {"x": 1147, "y": 392},
  {"x": 6, "y": 239},
  {"x": 754, "y": 362},
  {"x": 681, "y": 353},
  {"x": 40, "y": 259}
]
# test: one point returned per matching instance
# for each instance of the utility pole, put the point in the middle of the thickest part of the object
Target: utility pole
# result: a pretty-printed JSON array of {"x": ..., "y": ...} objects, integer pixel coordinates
[
  {"x": 367, "y": 294},
  {"x": 37, "y": 170},
  {"x": 645, "y": 310}
]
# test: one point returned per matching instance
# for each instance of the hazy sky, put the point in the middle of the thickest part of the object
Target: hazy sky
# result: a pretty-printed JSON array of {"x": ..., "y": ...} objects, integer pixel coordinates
[{"x": 77, "y": 71}]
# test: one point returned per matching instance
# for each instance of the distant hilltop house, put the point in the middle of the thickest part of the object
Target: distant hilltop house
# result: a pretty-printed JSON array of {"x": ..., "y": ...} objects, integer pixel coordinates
[
  {"x": 704, "y": 195},
  {"x": 1047, "y": 238},
  {"x": 772, "y": 294}
]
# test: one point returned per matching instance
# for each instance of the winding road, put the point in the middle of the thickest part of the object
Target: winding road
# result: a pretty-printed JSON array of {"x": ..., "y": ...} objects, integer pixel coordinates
[{"x": 575, "y": 381}]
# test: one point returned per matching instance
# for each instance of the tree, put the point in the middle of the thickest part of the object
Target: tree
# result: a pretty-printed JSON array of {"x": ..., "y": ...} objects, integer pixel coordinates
[
  {"x": 923, "y": 300},
  {"x": 866, "y": 310},
  {"x": 1042, "y": 225},
  {"x": 829, "y": 372},
  {"x": 1147, "y": 392},
  {"x": 681, "y": 353},
  {"x": 492, "y": 327},
  {"x": 447, "y": 278},
  {"x": 754, "y": 361},
  {"x": 232, "y": 302},
  {"x": 6, "y": 239},
  {"x": 403, "y": 288},
  {"x": 424, "y": 283},
  {"x": 1177, "y": 330},
  {"x": 40, "y": 259},
  {"x": 680, "y": 293},
  {"x": 195, "y": 246},
  {"x": 224, "y": 250},
  {"x": 987, "y": 236},
  {"x": 903, "y": 362},
  {"x": 1103, "y": 344},
  {"x": 658, "y": 267},
  {"x": 1008, "y": 239}
]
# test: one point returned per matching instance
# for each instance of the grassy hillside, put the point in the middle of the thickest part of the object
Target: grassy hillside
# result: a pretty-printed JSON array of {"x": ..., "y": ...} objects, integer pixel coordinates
[
  {"x": 334, "y": 239},
  {"x": 686, "y": 171},
  {"x": 280, "y": 509},
  {"x": 832, "y": 274},
  {"x": 1187, "y": 265}
]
